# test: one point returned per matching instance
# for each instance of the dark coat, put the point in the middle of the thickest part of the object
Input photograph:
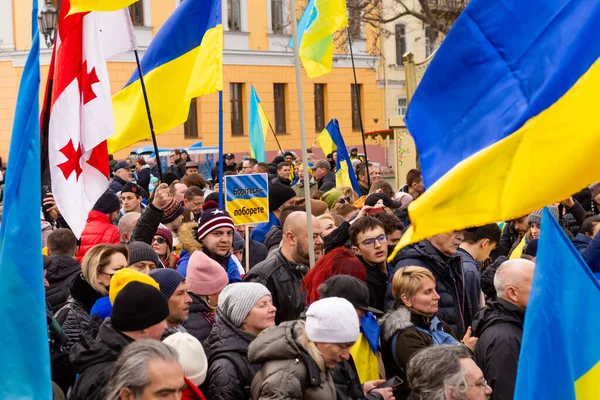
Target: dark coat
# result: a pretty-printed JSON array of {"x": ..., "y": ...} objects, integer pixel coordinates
[
  {"x": 226, "y": 380},
  {"x": 377, "y": 282},
  {"x": 507, "y": 241},
  {"x": 347, "y": 382},
  {"x": 273, "y": 238},
  {"x": 258, "y": 253},
  {"x": 487, "y": 278},
  {"x": 117, "y": 184},
  {"x": 448, "y": 273},
  {"x": 499, "y": 327},
  {"x": 589, "y": 250},
  {"x": 472, "y": 281},
  {"x": 93, "y": 360},
  {"x": 327, "y": 182},
  {"x": 283, "y": 278},
  {"x": 74, "y": 317},
  {"x": 147, "y": 225},
  {"x": 280, "y": 180},
  {"x": 215, "y": 170},
  {"x": 201, "y": 318},
  {"x": 409, "y": 341},
  {"x": 60, "y": 275},
  {"x": 143, "y": 178}
]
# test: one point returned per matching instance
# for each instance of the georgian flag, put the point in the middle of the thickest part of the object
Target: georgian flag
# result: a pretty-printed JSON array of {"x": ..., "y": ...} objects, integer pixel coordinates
[{"x": 81, "y": 116}]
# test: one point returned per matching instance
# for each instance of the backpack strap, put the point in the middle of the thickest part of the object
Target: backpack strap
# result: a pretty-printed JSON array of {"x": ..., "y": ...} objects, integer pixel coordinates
[{"x": 241, "y": 369}]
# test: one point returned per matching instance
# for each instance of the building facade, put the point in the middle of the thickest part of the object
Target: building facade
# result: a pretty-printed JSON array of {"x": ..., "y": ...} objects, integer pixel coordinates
[{"x": 255, "y": 52}]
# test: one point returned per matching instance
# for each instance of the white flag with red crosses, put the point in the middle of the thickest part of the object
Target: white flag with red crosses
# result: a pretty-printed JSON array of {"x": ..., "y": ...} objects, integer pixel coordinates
[{"x": 81, "y": 116}]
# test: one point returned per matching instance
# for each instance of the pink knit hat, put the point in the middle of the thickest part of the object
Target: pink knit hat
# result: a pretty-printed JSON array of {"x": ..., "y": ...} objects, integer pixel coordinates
[{"x": 205, "y": 276}]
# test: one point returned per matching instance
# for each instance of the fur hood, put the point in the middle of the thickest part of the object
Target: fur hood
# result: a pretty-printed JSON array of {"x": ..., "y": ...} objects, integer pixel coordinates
[
  {"x": 187, "y": 237},
  {"x": 393, "y": 321}
]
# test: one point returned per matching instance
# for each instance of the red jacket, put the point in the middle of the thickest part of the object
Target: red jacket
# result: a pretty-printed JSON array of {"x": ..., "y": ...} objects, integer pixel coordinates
[
  {"x": 98, "y": 229},
  {"x": 191, "y": 392}
]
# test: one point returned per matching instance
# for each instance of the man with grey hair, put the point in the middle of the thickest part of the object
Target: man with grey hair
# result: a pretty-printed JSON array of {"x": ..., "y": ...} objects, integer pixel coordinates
[
  {"x": 499, "y": 326},
  {"x": 126, "y": 225},
  {"x": 446, "y": 372},
  {"x": 325, "y": 178},
  {"x": 147, "y": 369}
]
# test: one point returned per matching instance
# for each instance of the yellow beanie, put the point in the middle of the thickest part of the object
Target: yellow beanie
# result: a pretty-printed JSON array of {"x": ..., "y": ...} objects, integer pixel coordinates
[{"x": 123, "y": 277}]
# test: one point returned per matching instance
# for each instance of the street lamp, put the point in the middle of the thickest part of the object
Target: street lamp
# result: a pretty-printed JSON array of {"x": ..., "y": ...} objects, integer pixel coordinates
[{"x": 47, "y": 22}]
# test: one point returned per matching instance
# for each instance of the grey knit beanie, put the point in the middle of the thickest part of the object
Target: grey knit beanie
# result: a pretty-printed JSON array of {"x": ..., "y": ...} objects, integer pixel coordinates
[
  {"x": 237, "y": 299},
  {"x": 140, "y": 251},
  {"x": 536, "y": 216}
]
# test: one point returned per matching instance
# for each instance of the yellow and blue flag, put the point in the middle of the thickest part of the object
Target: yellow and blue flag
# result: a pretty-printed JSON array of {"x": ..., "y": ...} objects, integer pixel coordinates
[
  {"x": 344, "y": 173},
  {"x": 78, "y": 6},
  {"x": 505, "y": 119},
  {"x": 320, "y": 20},
  {"x": 259, "y": 126},
  {"x": 560, "y": 354},
  {"x": 24, "y": 359},
  {"x": 325, "y": 142},
  {"x": 247, "y": 198},
  {"x": 183, "y": 61}
]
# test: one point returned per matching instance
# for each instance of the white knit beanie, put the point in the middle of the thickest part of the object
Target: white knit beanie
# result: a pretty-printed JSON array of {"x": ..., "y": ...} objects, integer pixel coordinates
[
  {"x": 191, "y": 356},
  {"x": 237, "y": 299},
  {"x": 332, "y": 320}
]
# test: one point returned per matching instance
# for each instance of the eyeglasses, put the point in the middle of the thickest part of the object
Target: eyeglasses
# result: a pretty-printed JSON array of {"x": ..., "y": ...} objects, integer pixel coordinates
[
  {"x": 159, "y": 240},
  {"x": 344, "y": 200},
  {"x": 381, "y": 239},
  {"x": 483, "y": 383}
]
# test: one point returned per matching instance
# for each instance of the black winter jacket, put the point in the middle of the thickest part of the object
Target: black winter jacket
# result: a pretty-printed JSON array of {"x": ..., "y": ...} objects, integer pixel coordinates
[
  {"x": 94, "y": 359},
  {"x": 60, "y": 275},
  {"x": 143, "y": 178},
  {"x": 273, "y": 238},
  {"x": 284, "y": 280},
  {"x": 282, "y": 181},
  {"x": 147, "y": 225},
  {"x": 472, "y": 281},
  {"x": 347, "y": 382},
  {"x": 117, "y": 184},
  {"x": 201, "y": 318},
  {"x": 227, "y": 379},
  {"x": 453, "y": 304},
  {"x": 377, "y": 282},
  {"x": 74, "y": 316},
  {"x": 327, "y": 182},
  {"x": 258, "y": 253},
  {"x": 499, "y": 327}
]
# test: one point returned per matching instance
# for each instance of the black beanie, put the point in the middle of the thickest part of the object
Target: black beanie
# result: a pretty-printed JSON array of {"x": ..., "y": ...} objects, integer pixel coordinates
[
  {"x": 278, "y": 195},
  {"x": 138, "y": 306},
  {"x": 107, "y": 203},
  {"x": 170, "y": 177}
]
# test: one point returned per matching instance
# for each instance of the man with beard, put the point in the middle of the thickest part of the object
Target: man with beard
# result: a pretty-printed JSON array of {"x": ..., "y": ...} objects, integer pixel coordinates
[
  {"x": 438, "y": 254},
  {"x": 283, "y": 271},
  {"x": 175, "y": 289},
  {"x": 215, "y": 233}
]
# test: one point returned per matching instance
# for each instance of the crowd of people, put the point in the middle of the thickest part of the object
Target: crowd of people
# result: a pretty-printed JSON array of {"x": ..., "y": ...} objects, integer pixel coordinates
[{"x": 154, "y": 299}]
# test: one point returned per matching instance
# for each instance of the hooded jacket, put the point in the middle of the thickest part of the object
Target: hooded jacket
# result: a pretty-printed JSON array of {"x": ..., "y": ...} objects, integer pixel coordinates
[
  {"x": 74, "y": 316},
  {"x": 98, "y": 229},
  {"x": 201, "y": 318},
  {"x": 448, "y": 273},
  {"x": 60, "y": 275},
  {"x": 226, "y": 380},
  {"x": 409, "y": 341},
  {"x": 284, "y": 279},
  {"x": 292, "y": 365},
  {"x": 94, "y": 359},
  {"x": 499, "y": 327}
]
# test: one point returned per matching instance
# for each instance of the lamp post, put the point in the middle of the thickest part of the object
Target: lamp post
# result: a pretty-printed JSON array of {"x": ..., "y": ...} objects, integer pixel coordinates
[{"x": 47, "y": 19}]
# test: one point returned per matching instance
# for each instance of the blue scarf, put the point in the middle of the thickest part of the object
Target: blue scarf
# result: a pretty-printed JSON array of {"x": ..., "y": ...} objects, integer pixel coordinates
[
  {"x": 436, "y": 331},
  {"x": 370, "y": 329}
]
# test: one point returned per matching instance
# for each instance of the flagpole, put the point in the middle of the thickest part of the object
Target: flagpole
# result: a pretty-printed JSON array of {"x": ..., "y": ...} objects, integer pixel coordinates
[
  {"x": 357, "y": 91},
  {"x": 157, "y": 155},
  {"x": 311, "y": 245},
  {"x": 221, "y": 149},
  {"x": 275, "y": 136}
]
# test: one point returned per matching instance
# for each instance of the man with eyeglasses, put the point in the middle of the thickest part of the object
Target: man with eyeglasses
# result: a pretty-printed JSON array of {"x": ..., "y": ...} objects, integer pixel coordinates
[
  {"x": 248, "y": 166},
  {"x": 369, "y": 243},
  {"x": 177, "y": 163}
]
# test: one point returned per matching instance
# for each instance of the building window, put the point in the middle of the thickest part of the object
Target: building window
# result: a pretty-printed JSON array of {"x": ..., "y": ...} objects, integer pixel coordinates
[
  {"x": 431, "y": 37},
  {"x": 400, "y": 43},
  {"x": 356, "y": 106},
  {"x": 237, "y": 110},
  {"x": 279, "y": 99},
  {"x": 190, "y": 127},
  {"x": 401, "y": 105},
  {"x": 277, "y": 16},
  {"x": 319, "y": 107},
  {"x": 354, "y": 14},
  {"x": 234, "y": 15},
  {"x": 136, "y": 11}
]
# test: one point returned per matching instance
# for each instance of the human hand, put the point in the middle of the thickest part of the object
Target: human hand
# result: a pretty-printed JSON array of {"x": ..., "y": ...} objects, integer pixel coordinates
[
  {"x": 162, "y": 195},
  {"x": 569, "y": 202},
  {"x": 386, "y": 393},
  {"x": 468, "y": 340},
  {"x": 49, "y": 204},
  {"x": 370, "y": 385}
]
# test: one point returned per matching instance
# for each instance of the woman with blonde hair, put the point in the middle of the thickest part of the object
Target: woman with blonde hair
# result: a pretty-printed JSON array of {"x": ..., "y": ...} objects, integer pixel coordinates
[
  {"x": 100, "y": 263},
  {"x": 413, "y": 324}
]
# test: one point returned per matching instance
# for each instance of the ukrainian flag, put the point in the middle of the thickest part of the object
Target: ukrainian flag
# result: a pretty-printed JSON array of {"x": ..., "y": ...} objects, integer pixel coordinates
[
  {"x": 506, "y": 117},
  {"x": 183, "y": 61},
  {"x": 331, "y": 139},
  {"x": 560, "y": 354},
  {"x": 320, "y": 20},
  {"x": 259, "y": 126},
  {"x": 78, "y": 6}
]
